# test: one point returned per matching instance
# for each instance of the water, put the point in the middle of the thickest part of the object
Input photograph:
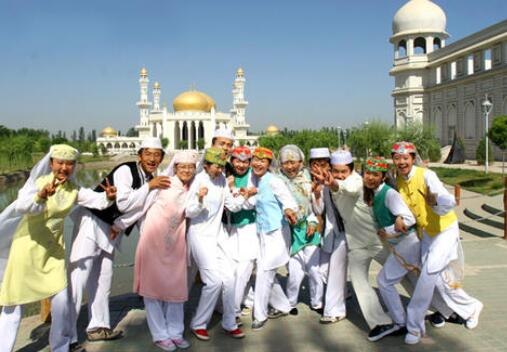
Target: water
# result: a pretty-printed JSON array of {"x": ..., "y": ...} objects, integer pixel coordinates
[{"x": 123, "y": 276}]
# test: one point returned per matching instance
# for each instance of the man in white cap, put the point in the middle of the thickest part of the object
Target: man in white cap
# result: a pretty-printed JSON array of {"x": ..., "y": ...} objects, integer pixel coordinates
[
  {"x": 363, "y": 244},
  {"x": 91, "y": 258},
  {"x": 333, "y": 256},
  {"x": 223, "y": 138}
]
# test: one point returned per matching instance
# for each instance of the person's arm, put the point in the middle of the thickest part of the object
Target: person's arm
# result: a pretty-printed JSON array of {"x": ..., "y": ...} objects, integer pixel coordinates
[
  {"x": 128, "y": 219},
  {"x": 445, "y": 202},
  {"x": 394, "y": 202},
  {"x": 318, "y": 201},
  {"x": 195, "y": 204},
  {"x": 283, "y": 194},
  {"x": 127, "y": 198},
  {"x": 30, "y": 203},
  {"x": 90, "y": 199}
]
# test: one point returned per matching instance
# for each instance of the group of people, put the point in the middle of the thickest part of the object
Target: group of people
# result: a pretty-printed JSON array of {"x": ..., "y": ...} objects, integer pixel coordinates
[{"x": 235, "y": 216}]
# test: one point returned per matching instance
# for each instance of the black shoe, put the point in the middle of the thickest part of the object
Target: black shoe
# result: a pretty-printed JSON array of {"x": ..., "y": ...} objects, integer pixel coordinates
[
  {"x": 455, "y": 319},
  {"x": 381, "y": 331},
  {"x": 319, "y": 310},
  {"x": 76, "y": 347},
  {"x": 437, "y": 320},
  {"x": 275, "y": 313},
  {"x": 294, "y": 311}
]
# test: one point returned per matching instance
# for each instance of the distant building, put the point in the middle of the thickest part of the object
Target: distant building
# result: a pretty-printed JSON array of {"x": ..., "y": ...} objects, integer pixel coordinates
[
  {"x": 446, "y": 85},
  {"x": 189, "y": 126}
]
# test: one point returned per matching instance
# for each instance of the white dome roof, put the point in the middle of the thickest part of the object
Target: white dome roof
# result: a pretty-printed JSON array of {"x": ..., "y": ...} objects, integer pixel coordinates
[{"x": 419, "y": 16}]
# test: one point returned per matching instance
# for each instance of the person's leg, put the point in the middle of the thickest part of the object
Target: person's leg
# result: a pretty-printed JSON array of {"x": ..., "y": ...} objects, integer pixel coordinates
[
  {"x": 243, "y": 273},
  {"x": 263, "y": 285},
  {"x": 336, "y": 283},
  {"x": 209, "y": 295},
  {"x": 312, "y": 264},
  {"x": 60, "y": 335},
  {"x": 359, "y": 265},
  {"x": 174, "y": 317},
  {"x": 296, "y": 275},
  {"x": 386, "y": 285},
  {"x": 156, "y": 318},
  {"x": 79, "y": 274},
  {"x": 228, "y": 293},
  {"x": 9, "y": 326},
  {"x": 99, "y": 289}
]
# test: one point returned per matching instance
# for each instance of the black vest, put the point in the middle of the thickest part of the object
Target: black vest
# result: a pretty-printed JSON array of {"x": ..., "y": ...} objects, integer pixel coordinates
[{"x": 110, "y": 214}]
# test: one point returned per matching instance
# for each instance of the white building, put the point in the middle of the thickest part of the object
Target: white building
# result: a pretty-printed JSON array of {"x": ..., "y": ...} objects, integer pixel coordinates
[
  {"x": 446, "y": 85},
  {"x": 191, "y": 123}
]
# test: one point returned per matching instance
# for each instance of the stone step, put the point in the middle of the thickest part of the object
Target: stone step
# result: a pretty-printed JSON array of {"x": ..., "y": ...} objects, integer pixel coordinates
[
  {"x": 483, "y": 219},
  {"x": 493, "y": 211}
]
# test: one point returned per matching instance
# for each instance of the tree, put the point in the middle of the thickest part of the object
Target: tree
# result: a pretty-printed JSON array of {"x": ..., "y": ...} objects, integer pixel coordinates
[
  {"x": 132, "y": 132},
  {"x": 423, "y": 136},
  {"x": 498, "y": 135},
  {"x": 73, "y": 137},
  {"x": 480, "y": 152},
  {"x": 164, "y": 141},
  {"x": 81, "y": 135}
]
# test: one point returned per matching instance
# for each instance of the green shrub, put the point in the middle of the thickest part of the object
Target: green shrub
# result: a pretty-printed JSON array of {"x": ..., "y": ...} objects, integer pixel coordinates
[{"x": 480, "y": 152}]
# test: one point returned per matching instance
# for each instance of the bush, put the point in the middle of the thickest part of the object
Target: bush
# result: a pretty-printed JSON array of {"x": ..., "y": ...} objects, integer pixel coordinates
[{"x": 480, "y": 152}]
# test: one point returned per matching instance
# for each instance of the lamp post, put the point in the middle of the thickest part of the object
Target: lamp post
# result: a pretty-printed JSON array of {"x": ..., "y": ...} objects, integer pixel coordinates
[{"x": 486, "y": 109}]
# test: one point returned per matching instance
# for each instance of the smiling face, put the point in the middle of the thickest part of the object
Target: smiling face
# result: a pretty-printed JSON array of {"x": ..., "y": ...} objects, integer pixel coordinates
[
  {"x": 240, "y": 166},
  {"x": 260, "y": 166},
  {"x": 321, "y": 164},
  {"x": 213, "y": 170},
  {"x": 185, "y": 172},
  {"x": 341, "y": 171},
  {"x": 373, "y": 179},
  {"x": 403, "y": 163},
  {"x": 62, "y": 169},
  {"x": 225, "y": 144},
  {"x": 290, "y": 168},
  {"x": 150, "y": 159}
]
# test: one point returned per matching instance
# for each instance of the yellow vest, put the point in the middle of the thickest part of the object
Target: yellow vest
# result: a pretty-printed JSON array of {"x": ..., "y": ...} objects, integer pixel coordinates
[{"x": 426, "y": 218}]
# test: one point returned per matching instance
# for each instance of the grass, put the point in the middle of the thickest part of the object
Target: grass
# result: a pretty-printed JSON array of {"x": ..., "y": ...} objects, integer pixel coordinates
[{"x": 472, "y": 180}]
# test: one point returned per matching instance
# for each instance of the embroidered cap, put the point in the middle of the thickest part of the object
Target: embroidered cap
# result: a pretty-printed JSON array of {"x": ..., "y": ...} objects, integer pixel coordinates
[
  {"x": 185, "y": 157},
  {"x": 404, "y": 148},
  {"x": 377, "y": 164},
  {"x": 63, "y": 152},
  {"x": 263, "y": 153},
  {"x": 242, "y": 153},
  {"x": 319, "y": 153},
  {"x": 151, "y": 142},
  {"x": 341, "y": 157},
  {"x": 215, "y": 156}
]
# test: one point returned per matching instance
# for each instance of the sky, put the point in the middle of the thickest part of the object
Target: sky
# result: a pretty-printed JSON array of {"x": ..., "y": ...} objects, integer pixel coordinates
[{"x": 308, "y": 64}]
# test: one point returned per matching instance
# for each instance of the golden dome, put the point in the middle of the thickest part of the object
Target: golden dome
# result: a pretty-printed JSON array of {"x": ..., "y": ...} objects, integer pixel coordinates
[
  {"x": 193, "y": 100},
  {"x": 272, "y": 130},
  {"x": 144, "y": 72},
  {"x": 109, "y": 132},
  {"x": 156, "y": 85}
]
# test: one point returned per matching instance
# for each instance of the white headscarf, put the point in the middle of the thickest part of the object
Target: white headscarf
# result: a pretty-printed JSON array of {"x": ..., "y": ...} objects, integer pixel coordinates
[{"x": 10, "y": 217}]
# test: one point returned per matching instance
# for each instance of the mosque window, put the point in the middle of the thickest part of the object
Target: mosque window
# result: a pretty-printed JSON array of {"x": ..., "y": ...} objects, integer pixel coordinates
[
  {"x": 453, "y": 70},
  {"x": 438, "y": 75},
  {"x": 487, "y": 59},
  {"x": 470, "y": 120},
  {"x": 402, "y": 49},
  {"x": 470, "y": 65},
  {"x": 419, "y": 46},
  {"x": 437, "y": 43}
]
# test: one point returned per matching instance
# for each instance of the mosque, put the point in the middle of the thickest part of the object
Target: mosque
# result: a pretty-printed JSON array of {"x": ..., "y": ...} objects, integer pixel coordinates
[
  {"x": 189, "y": 126},
  {"x": 445, "y": 85}
]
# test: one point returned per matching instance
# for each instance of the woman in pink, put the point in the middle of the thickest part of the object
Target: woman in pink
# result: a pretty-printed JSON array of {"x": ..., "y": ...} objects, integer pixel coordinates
[{"x": 160, "y": 273}]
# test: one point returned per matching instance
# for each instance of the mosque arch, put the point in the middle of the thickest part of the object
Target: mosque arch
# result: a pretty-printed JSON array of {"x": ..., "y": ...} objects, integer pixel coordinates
[
  {"x": 470, "y": 123},
  {"x": 437, "y": 43},
  {"x": 124, "y": 145},
  {"x": 452, "y": 121},
  {"x": 132, "y": 145},
  {"x": 438, "y": 122},
  {"x": 117, "y": 145},
  {"x": 401, "y": 50},
  {"x": 109, "y": 145},
  {"x": 504, "y": 106},
  {"x": 420, "y": 46}
]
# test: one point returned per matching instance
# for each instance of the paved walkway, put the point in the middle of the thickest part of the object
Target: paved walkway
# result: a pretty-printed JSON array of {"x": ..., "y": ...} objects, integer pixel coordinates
[{"x": 486, "y": 270}]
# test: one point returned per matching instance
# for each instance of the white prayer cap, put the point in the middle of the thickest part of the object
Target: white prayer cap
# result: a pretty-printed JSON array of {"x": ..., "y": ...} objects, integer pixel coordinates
[
  {"x": 341, "y": 157},
  {"x": 151, "y": 142},
  {"x": 223, "y": 132},
  {"x": 186, "y": 157},
  {"x": 291, "y": 152},
  {"x": 319, "y": 153}
]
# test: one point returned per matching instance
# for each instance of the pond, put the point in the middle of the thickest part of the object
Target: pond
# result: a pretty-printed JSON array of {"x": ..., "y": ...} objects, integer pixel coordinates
[{"x": 122, "y": 278}]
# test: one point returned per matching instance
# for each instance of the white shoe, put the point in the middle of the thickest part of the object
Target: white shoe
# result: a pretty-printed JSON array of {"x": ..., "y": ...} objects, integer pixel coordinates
[
  {"x": 473, "y": 321},
  {"x": 412, "y": 339},
  {"x": 181, "y": 343}
]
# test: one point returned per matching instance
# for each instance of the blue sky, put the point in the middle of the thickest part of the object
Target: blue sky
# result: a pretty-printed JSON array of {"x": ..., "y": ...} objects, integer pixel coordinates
[{"x": 307, "y": 63}]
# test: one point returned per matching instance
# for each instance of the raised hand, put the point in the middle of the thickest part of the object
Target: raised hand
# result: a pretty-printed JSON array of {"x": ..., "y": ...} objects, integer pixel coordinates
[
  {"x": 109, "y": 189},
  {"x": 159, "y": 182},
  {"x": 113, "y": 232},
  {"x": 316, "y": 190},
  {"x": 317, "y": 174},
  {"x": 430, "y": 198},
  {"x": 230, "y": 181},
  {"x": 49, "y": 189},
  {"x": 203, "y": 191},
  {"x": 310, "y": 230},
  {"x": 399, "y": 225}
]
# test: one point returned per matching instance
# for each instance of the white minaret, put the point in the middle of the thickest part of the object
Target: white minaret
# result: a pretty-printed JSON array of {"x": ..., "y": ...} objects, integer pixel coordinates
[
  {"x": 418, "y": 29},
  {"x": 156, "y": 96},
  {"x": 238, "y": 97},
  {"x": 143, "y": 103}
]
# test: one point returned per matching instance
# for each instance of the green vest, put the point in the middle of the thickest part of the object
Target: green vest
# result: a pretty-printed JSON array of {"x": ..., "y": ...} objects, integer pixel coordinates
[
  {"x": 242, "y": 217},
  {"x": 382, "y": 215}
]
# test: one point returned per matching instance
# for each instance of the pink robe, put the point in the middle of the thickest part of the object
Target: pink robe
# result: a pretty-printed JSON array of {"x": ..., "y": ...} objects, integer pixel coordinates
[{"x": 161, "y": 257}]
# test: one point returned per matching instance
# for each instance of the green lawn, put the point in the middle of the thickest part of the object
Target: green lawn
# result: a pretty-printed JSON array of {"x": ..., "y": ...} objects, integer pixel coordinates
[{"x": 472, "y": 180}]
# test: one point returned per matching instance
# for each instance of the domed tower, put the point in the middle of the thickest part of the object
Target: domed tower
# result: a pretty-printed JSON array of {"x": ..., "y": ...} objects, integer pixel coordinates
[
  {"x": 143, "y": 103},
  {"x": 419, "y": 28}
]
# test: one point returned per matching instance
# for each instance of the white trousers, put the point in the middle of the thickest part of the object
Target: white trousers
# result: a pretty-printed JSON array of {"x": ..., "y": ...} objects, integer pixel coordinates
[
  {"x": 394, "y": 271},
  {"x": 307, "y": 260},
  {"x": 268, "y": 291},
  {"x": 165, "y": 319},
  {"x": 95, "y": 273},
  {"x": 217, "y": 281},
  {"x": 243, "y": 272},
  {"x": 335, "y": 296},
  {"x": 359, "y": 266},
  {"x": 59, "y": 335},
  {"x": 436, "y": 253}
]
